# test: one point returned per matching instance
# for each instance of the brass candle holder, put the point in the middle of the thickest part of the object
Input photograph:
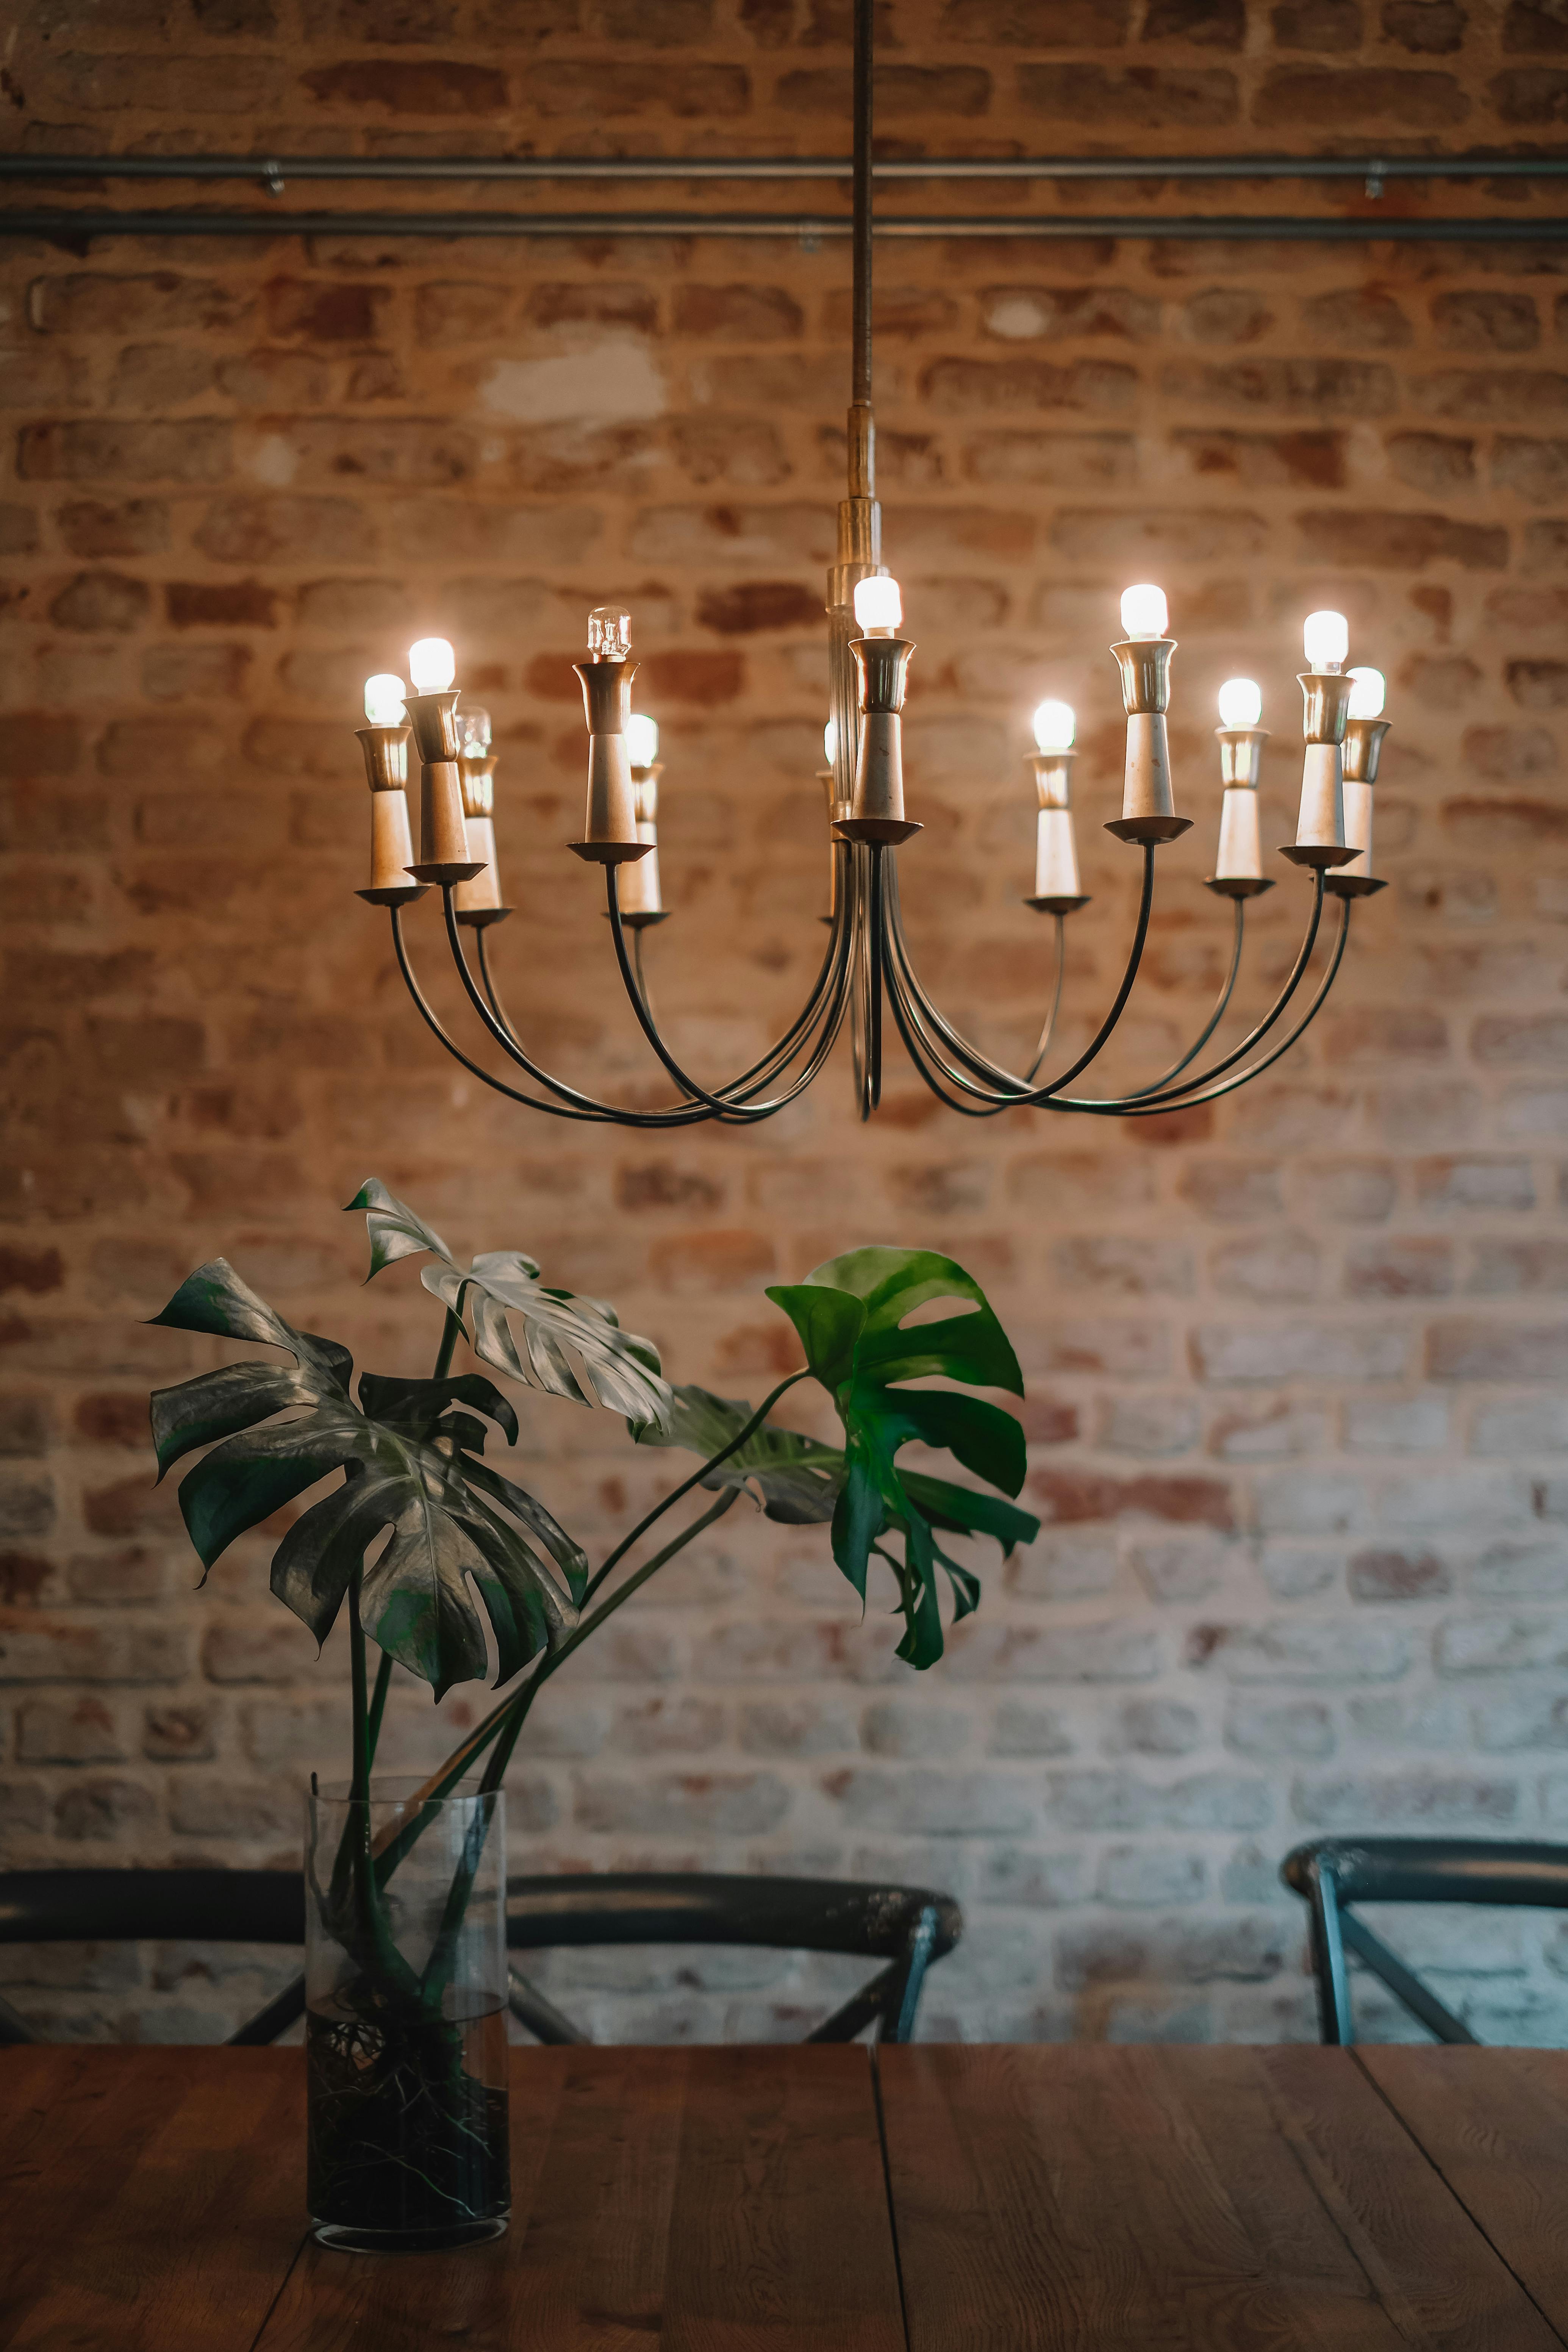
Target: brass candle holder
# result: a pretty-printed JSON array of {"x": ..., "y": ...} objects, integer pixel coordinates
[{"x": 386, "y": 752}]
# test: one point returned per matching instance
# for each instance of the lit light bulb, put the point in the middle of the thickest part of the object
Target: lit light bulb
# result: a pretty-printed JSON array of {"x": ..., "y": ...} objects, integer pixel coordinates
[
  {"x": 830, "y": 743},
  {"x": 1366, "y": 694},
  {"x": 431, "y": 664},
  {"x": 642, "y": 739},
  {"x": 474, "y": 732},
  {"x": 1326, "y": 639},
  {"x": 1053, "y": 725},
  {"x": 1241, "y": 702},
  {"x": 1143, "y": 611},
  {"x": 609, "y": 632},
  {"x": 384, "y": 700},
  {"x": 879, "y": 607}
]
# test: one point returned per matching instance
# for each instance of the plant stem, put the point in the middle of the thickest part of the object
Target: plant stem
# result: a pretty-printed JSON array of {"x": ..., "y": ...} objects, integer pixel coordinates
[
  {"x": 451, "y": 1332},
  {"x": 506, "y": 1720},
  {"x": 377, "y": 1708},
  {"x": 443, "y": 1956},
  {"x": 695, "y": 1479},
  {"x": 501, "y": 1754}
]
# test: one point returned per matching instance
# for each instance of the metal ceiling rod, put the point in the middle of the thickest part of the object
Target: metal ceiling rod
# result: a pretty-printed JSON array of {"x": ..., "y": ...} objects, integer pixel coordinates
[
  {"x": 77, "y": 223},
  {"x": 269, "y": 171}
]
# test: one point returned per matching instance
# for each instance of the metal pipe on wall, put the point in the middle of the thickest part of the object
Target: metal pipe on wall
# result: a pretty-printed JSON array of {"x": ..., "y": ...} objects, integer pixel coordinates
[
  {"x": 267, "y": 170},
  {"x": 75, "y": 225}
]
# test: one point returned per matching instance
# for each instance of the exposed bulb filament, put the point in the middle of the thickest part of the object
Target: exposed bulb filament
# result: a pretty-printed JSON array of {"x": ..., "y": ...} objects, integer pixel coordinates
[{"x": 609, "y": 634}]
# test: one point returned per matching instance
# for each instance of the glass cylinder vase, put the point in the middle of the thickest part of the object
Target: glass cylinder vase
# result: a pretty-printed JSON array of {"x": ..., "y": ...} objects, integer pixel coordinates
[{"x": 405, "y": 2036}]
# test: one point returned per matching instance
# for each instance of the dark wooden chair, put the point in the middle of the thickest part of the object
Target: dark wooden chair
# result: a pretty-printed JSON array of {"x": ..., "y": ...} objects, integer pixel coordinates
[
  {"x": 906, "y": 1928},
  {"x": 1332, "y": 1874},
  {"x": 125, "y": 1907}
]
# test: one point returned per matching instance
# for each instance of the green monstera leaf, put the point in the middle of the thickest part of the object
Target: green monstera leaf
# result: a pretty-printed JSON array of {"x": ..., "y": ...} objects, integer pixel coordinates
[
  {"x": 852, "y": 1316},
  {"x": 793, "y": 1477},
  {"x": 571, "y": 1346},
  {"x": 409, "y": 1454}
]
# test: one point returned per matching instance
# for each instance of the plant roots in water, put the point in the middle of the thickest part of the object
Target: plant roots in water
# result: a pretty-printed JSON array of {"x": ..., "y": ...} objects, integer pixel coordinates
[{"x": 407, "y": 2124}]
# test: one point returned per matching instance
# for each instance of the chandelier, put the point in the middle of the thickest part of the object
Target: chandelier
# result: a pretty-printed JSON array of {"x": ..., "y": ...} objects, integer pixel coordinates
[{"x": 867, "y": 968}]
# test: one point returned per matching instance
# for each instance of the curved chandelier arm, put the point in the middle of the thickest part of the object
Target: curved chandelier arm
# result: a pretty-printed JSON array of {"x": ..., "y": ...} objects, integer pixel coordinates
[
  {"x": 1220, "y": 1087},
  {"x": 431, "y": 1021},
  {"x": 1009, "y": 1089},
  {"x": 927, "y": 1060},
  {"x": 1049, "y": 1029},
  {"x": 760, "y": 1073},
  {"x": 894, "y": 937},
  {"x": 732, "y": 1110},
  {"x": 875, "y": 920},
  {"x": 578, "y": 1105},
  {"x": 1158, "y": 1097},
  {"x": 1216, "y": 1017}
]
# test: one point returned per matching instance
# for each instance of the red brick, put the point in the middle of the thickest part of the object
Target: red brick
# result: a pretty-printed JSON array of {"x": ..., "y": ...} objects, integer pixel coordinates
[
  {"x": 746, "y": 314},
  {"x": 1433, "y": 461},
  {"x": 1319, "y": 387},
  {"x": 106, "y": 303},
  {"x": 337, "y": 312},
  {"x": 613, "y": 88},
  {"x": 94, "y": 450},
  {"x": 1486, "y": 322},
  {"x": 760, "y": 605},
  {"x": 428, "y": 86},
  {"x": 37, "y": 1270},
  {"x": 1400, "y": 541},
  {"x": 115, "y": 1419},
  {"x": 133, "y": 527},
  {"x": 1381, "y": 94},
  {"x": 1530, "y": 97},
  {"x": 97, "y": 601},
  {"x": 1038, "y": 24},
  {"x": 704, "y": 678},
  {"x": 1137, "y": 98}
]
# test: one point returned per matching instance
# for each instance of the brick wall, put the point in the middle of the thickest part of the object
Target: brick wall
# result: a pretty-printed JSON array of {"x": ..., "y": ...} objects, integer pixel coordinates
[{"x": 1297, "y": 1365}]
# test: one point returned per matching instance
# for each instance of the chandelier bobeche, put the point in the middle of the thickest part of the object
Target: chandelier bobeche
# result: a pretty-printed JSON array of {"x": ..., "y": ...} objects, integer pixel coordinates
[{"x": 867, "y": 964}]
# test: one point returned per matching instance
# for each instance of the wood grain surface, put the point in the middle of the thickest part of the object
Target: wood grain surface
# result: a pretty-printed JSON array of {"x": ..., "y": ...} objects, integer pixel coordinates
[
  {"x": 1044, "y": 2199},
  {"x": 702, "y": 2200},
  {"x": 152, "y": 2199},
  {"x": 1151, "y": 2200},
  {"x": 1495, "y": 2125}
]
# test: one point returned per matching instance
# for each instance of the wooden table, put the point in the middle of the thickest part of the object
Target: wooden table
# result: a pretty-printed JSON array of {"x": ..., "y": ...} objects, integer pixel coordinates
[{"x": 999, "y": 2198}]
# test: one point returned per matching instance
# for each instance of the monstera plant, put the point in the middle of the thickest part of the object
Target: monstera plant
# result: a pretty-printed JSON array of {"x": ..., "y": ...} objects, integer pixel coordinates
[{"x": 421, "y": 1543}]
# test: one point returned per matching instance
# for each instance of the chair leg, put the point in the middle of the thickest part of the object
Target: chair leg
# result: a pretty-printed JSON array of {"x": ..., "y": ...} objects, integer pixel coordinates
[
  {"x": 14, "y": 2029},
  {"x": 1335, "y": 2024},
  {"x": 907, "y": 1982},
  {"x": 542, "y": 2018},
  {"x": 273, "y": 2020}
]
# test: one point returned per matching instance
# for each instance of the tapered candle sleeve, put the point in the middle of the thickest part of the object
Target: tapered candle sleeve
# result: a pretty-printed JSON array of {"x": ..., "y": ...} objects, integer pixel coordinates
[
  {"x": 385, "y": 750},
  {"x": 1240, "y": 858},
  {"x": 1145, "y": 667}
]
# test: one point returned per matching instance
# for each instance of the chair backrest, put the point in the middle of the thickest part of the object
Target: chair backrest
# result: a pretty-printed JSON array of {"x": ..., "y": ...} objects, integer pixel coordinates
[
  {"x": 108, "y": 1906},
  {"x": 907, "y": 1927},
  {"x": 1330, "y": 1874}
]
